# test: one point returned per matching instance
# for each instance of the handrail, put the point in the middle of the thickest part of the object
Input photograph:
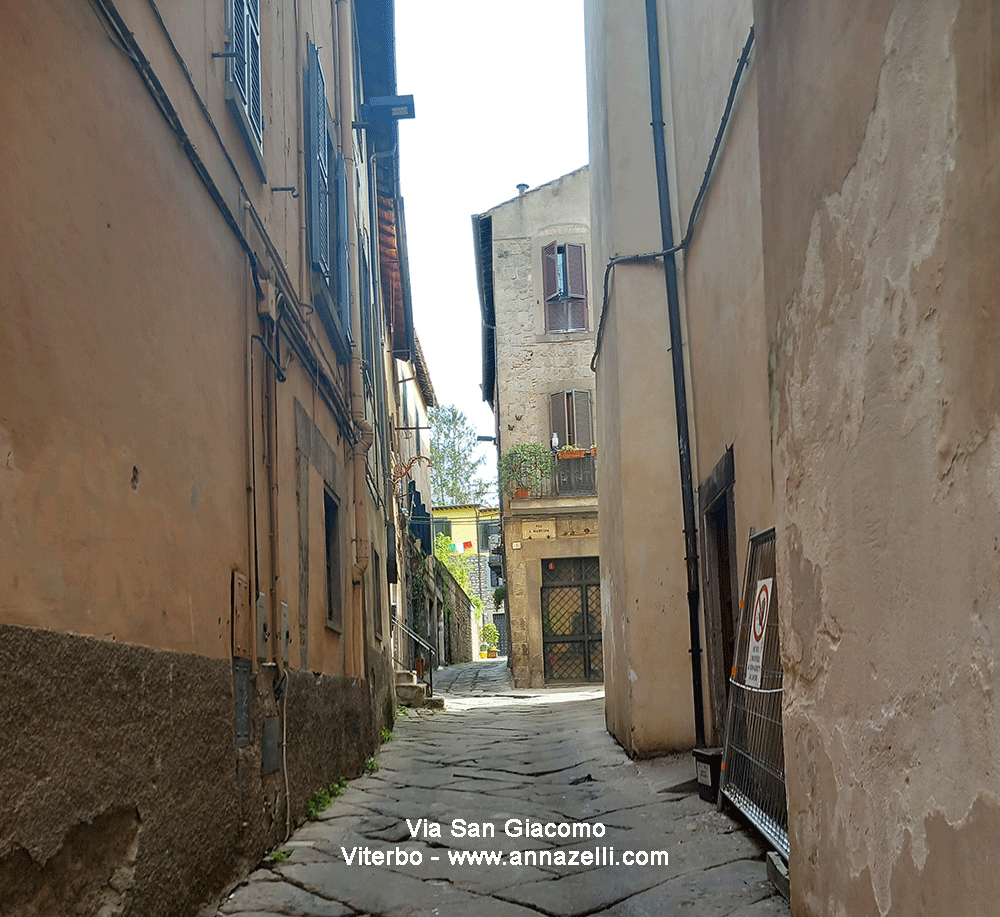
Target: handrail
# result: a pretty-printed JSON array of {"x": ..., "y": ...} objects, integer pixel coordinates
[
  {"x": 412, "y": 634},
  {"x": 431, "y": 651}
]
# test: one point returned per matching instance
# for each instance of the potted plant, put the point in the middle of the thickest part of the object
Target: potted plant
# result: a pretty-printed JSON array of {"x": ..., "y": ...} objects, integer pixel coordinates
[
  {"x": 524, "y": 468},
  {"x": 491, "y": 637},
  {"x": 572, "y": 452}
]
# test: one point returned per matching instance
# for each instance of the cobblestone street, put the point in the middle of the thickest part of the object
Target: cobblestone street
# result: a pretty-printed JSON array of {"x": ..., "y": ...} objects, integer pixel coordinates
[{"x": 496, "y": 758}]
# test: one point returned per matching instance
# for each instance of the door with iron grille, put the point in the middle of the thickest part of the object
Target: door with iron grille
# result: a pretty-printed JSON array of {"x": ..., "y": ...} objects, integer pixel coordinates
[{"x": 571, "y": 619}]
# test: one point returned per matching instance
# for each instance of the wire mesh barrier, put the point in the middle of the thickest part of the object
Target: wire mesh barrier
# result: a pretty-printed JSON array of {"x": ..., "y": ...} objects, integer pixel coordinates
[
  {"x": 571, "y": 619},
  {"x": 753, "y": 768}
]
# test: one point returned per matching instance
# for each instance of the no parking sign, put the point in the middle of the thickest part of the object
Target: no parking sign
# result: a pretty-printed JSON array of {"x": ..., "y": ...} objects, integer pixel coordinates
[{"x": 758, "y": 627}]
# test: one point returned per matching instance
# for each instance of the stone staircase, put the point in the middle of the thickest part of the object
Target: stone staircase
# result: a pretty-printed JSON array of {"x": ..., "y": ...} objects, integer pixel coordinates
[{"x": 413, "y": 693}]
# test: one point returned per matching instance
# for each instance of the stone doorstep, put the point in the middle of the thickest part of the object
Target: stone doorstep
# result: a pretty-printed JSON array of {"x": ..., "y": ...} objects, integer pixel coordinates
[
  {"x": 405, "y": 678},
  {"x": 411, "y": 695}
]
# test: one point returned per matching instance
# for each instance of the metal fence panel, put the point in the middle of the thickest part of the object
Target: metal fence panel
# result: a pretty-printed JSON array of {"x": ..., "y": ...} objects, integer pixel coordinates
[{"x": 753, "y": 768}]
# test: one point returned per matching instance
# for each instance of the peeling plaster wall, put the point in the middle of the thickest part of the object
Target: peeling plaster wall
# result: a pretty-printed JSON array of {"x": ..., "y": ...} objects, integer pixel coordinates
[{"x": 880, "y": 178}]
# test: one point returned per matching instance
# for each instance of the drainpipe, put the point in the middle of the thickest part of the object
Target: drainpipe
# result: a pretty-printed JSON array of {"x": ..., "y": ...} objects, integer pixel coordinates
[
  {"x": 364, "y": 434},
  {"x": 677, "y": 361}
]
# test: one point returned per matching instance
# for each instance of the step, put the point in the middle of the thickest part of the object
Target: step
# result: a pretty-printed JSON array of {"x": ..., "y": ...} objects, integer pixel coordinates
[
  {"x": 406, "y": 678},
  {"x": 411, "y": 695}
]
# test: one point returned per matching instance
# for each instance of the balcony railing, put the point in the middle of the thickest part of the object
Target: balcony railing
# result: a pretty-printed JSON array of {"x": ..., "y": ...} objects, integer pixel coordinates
[{"x": 570, "y": 477}]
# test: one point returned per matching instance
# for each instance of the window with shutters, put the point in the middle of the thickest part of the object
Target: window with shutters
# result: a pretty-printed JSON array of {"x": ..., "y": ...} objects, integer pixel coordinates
[
  {"x": 326, "y": 175},
  {"x": 243, "y": 93},
  {"x": 334, "y": 601},
  {"x": 564, "y": 288},
  {"x": 571, "y": 419}
]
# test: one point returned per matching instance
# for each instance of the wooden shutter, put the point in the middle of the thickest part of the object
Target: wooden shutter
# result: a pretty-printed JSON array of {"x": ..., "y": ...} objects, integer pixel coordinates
[
  {"x": 254, "y": 111},
  {"x": 557, "y": 410},
  {"x": 319, "y": 165},
  {"x": 555, "y": 316},
  {"x": 583, "y": 428},
  {"x": 343, "y": 247},
  {"x": 237, "y": 66},
  {"x": 576, "y": 272},
  {"x": 550, "y": 279},
  {"x": 577, "y": 319}
]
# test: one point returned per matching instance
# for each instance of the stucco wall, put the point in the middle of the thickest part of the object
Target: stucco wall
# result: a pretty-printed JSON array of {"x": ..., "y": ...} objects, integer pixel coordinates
[
  {"x": 880, "y": 145},
  {"x": 722, "y": 283},
  {"x": 135, "y": 462},
  {"x": 643, "y": 584}
]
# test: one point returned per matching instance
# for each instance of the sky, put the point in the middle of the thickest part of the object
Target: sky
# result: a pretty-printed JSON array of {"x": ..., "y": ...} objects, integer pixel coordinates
[{"x": 500, "y": 97}]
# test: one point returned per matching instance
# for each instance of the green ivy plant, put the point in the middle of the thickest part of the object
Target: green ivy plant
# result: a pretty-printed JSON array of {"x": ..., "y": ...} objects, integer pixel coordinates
[
  {"x": 525, "y": 466},
  {"x": 499, "y": 596}
]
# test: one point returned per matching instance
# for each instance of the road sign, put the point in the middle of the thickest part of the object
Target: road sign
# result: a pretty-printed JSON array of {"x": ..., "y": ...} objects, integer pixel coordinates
[{"x": 758, "y": 627}]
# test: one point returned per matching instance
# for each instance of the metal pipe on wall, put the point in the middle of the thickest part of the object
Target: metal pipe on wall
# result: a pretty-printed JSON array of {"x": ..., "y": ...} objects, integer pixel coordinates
[
  {"x": 364, "y": 434},
  {"x": 677, "y": 363}
]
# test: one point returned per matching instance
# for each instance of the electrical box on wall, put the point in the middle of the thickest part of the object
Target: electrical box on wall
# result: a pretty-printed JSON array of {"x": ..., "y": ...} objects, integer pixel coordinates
[{"x": 241, "y": 618}]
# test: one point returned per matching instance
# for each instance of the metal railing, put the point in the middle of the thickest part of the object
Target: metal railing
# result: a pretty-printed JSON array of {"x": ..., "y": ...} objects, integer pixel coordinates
[
  {"x": 753, "y": 768},
  {"x": 421, "y": 655},
  {"x": 570, "y": 477}
]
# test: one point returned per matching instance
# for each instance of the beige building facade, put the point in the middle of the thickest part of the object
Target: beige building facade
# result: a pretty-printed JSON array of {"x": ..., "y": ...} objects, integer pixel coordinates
[
  {"x": 837, "y": 317},
  {"x": 539, "y": 330},
  {"x": 204, "y": 284},
  {"x": 648, "y": 634}
]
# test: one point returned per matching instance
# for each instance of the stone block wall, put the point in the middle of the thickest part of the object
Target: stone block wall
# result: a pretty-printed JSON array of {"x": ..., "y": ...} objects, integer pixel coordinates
[{"x": 152, "y": 784}]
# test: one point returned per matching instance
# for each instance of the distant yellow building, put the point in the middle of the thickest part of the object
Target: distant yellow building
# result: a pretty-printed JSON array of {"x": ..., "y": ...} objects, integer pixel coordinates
[{"x": 473, "y": 529}]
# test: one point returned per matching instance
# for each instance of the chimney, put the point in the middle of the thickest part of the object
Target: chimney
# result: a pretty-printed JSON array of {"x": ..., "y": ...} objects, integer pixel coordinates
[{"x": 521, "y": 188}]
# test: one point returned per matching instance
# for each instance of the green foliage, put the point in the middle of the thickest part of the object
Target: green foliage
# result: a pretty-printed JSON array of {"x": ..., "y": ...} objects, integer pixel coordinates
[
  {"x": 386, "y": 734},
  {"x": 526, "y": 465},
  {"x": 454, "y": 467},
  {"x": 323, "y": 797},
  {"x": 457, "y": 565},
  {"x": 453, "y": 562},
  {"x": 499, "y": 596},
  {"x": 277, "y": 856},
  {"x": 371, "y": 765},
  {"x": 491, "y": 636}
]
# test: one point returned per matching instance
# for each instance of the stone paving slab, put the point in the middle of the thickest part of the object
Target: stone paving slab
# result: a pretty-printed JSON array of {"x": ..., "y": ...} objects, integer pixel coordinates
[{"x": 494, "y": 758}]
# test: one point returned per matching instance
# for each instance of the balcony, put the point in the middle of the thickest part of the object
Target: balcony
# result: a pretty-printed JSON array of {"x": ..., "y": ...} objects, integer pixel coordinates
[{"x": 570, "y": 477}]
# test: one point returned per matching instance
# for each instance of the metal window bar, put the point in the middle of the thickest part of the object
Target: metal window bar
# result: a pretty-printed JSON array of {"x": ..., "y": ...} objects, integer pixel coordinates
[{"x": 753, "y": 767}]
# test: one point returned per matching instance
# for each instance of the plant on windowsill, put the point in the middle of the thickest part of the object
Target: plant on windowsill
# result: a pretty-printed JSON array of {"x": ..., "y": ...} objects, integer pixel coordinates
[
  {"x": 524, "y": 468},
  {"x": 571, "y": 452}
]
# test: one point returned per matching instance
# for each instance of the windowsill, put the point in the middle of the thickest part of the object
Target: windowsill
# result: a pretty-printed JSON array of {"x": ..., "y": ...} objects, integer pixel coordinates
[
  {"x": 235, "y": 104},
  {"x": 561, "y": 337}
]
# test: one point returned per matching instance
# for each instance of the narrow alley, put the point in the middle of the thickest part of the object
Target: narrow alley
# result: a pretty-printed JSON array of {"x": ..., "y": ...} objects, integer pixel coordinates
[{"x": 503, "y": 761}]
